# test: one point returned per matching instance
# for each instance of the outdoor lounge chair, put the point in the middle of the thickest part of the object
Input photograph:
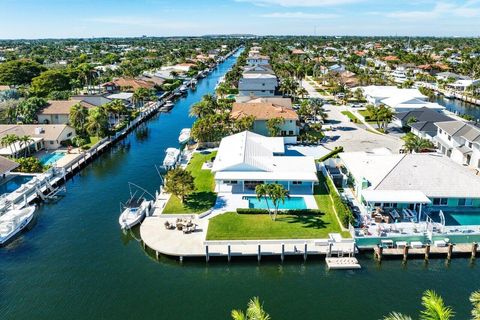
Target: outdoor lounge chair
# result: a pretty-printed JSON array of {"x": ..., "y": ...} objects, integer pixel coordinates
[
  {"x": 401, "y": 244},
  {"x": 416, "y": 244}
]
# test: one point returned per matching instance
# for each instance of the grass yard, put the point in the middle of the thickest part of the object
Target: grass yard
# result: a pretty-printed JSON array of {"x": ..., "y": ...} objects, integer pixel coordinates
[
  {"x": 351, "y": 116},
  {"x": 234, "y": 226},
  {"x": 366, "y": 115},
  {"x": 203, "y": 198},
  {"x": 93, "y": 141}
]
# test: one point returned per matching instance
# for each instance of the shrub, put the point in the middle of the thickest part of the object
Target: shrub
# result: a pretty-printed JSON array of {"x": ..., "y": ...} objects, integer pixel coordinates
[
  {"x": 251, "y": 211},
  {"x": 79, "y": 141},
  {"x": 30, "y": 165},
  {"x": 331, "y": 154},
  {"x": 265, "y": 211},
  {"x": 343, "y": 211}
]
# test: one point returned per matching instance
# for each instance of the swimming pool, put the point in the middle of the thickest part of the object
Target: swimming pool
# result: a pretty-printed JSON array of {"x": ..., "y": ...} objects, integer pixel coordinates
[
  {"x": 467, "y": 217},
  {"x": 291, "y": 203},
  {"x": 51, "y": 158},
  {"x": 14, "y": 183}
]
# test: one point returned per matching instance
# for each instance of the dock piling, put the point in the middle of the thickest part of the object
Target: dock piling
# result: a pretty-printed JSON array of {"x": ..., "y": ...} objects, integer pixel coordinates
[
  {"x": 474, "y": 250},
  {"x": 259, "y": 252},
  {"x": 229, "y": 252},
  {"x": 405, "y": 253},
  {"x": 207, "y": 256},
  {"x": 450, "y": 251},
  {"x": 379, "y": 253},
  {"x": 427, "y": 251},
  {"x": 305, "y": 252},
  {"x": 283, "y": 252}
]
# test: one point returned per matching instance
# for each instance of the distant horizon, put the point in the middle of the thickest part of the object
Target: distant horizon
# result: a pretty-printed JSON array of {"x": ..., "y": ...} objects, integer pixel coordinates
[{"x": 81, "y": 19}]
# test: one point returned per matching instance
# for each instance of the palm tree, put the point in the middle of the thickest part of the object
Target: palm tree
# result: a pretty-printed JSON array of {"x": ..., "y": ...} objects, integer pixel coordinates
[
  {"x": 25, "y": 142},
  {"x": 434, "y": 309},
  {"x": 78, "y": 117},
  {"x": 254, "y": 311},
  {"x": 278, "y": 194},
  {"x": 261, "y": 191},
  {"x": 97, "y": 122},
  {"x": 273, "y": 126},
  {"x": 413, "y": 143},
  {"x": 9, "y": 140},
  {"x": 475, "y": 300}
]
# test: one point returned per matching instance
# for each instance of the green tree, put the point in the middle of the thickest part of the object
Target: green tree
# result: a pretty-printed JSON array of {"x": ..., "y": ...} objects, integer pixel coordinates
[
  {"x": 475, "y": 300},
  {"x": 207, "y": 106},
  {"x": 97, "y": 122},
  {"x": 243, "y": 124},
  {"x": 28, "y": 109},
  {"x": 274, "y": 192},
  {"x": 179, "y": 182},
  {"x": 413, "y": 143},
  {"x": 30, "y": 165},
  {"x": 9, "y": 140},
  {"x": 51, "y": 80},
  {"x": 254, "y": 311},
  {"x": 273, "y": 126},
  {"x": 434, "y": 308},
  {"x": 78, "y": 118},
  {"x": 25, "y": 141},
  {"x": 19, "y": 72}
]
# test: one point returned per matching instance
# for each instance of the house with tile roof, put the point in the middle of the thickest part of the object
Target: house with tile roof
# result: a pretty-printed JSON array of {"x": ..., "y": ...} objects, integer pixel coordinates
[
  {"x": 264, "y": 109},
  {"x": 58, "y": 111}
]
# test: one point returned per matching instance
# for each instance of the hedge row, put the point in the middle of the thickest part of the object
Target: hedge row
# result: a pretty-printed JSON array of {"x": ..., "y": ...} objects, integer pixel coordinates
[
  {"x": 332, "y": 153},
  {"x": 343, "y": 211},
  {"x": 265, "y": 211}
]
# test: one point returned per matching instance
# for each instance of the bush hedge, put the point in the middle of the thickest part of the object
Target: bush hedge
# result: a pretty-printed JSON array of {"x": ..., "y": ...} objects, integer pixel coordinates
[
  {"x": 265, "y": 211},
  {"x": 332, "y": 153},
  {"x": 343, "y": 211}
]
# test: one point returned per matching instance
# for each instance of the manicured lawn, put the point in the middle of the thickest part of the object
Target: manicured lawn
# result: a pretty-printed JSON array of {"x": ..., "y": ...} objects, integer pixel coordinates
[
  {"x": 234, "y": 226},
  {"x": 93, "y": 141},
  {"x": 351, "y": 116},
  {"x": 366, "y": 115},
  {"x": 203, "y": 198}
]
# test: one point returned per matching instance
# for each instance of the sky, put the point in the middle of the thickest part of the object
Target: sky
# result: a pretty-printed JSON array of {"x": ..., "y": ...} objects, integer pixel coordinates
[{"x": 31, "y": 19}]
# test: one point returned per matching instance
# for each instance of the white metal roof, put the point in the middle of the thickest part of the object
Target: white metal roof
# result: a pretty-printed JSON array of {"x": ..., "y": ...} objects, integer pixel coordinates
[{"x": 397, "y": 196}]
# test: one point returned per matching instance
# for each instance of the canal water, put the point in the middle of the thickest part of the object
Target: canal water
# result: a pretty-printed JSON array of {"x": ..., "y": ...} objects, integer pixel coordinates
[
  {"x": 75, "y": 263},
  {"x": 460, "y": 107}
]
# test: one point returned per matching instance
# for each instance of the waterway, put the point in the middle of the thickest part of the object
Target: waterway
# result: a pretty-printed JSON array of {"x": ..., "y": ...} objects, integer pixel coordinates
[
  {"x": 75, "y": 263},
  {"x": 460, "y": 107}
]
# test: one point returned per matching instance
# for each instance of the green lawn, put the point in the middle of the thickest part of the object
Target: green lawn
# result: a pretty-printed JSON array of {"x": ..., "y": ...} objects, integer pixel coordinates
[
  {"x": 351, "y": 116},
  {"x": 93, "y": 141},
  {"x": 366, "y": 115},
  {"x": 203, "y": 198},
  {"x": 234, "y": 226}
]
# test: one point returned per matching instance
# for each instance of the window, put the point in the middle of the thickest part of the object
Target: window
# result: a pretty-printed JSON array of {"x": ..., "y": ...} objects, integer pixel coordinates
[
  {"x": 230, "y": 181},
  {"x": 296, "y": 182},
  {"x": 69, "y": 134},
  {"x": 284, "y": 133},
  {"x": 51, "y": 142},
  {"x": 290, "y": 132},
  {"x": 440, "y": 201},
  {"x": 440, "y": 131},
  {"x": 464, "y": 202}
]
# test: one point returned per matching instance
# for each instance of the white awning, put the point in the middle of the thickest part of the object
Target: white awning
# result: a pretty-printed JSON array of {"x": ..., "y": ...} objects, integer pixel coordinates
[
  {"x": 395, "y": 196},
  {"x": 267, "y": 176}
]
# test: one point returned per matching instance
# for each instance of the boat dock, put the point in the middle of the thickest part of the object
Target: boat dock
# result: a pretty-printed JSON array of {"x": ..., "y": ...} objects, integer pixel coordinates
[{"x": 449, "y": 251}]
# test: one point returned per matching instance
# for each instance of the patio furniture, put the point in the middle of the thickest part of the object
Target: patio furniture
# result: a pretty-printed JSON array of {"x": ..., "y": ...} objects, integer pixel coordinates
[
  {"x": 395, "y": 215},
  {"x": 439, "y": 243},
  {"x": 387, "y": 243},
  {"x": 416, "y": 244},
  {"x": 401, "y": 244}
]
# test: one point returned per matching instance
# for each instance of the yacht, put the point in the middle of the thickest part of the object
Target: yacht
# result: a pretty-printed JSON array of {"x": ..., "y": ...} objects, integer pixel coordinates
[
  {"x": 135, "y": 210},
  {"x": 14, "y": 221},
  {"x": 167, "y": 106},
  {"x": 449, "y": 95},
  {"x": 171, "y": 157},
  {"x": 183, "y": 89},
  {"x": 184, "y": 136}
]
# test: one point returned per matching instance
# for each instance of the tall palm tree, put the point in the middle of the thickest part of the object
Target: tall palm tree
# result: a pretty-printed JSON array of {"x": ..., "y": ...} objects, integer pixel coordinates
[
  {"x": 413, "y": 143},
  {"x": 261, "y": 190},
  {"x": 278, "y": 194},
  {"x": 25, "y": 142},
  {"x": 9, "y": 140},
  {"x": 78, "y": 117},
  {"x": 475, "y": 300},
  {"x": 254, "y": 311}
]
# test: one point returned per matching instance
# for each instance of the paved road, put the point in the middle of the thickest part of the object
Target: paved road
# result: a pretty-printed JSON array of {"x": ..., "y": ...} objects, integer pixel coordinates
[{"x": 349, "y": 135}]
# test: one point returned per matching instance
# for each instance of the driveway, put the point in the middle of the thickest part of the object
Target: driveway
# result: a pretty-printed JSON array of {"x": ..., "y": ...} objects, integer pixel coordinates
[{"x": 350, "y": 136}]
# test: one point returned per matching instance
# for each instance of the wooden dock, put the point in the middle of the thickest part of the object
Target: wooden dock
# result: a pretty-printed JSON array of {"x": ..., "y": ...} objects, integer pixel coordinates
[
  {"x": 428, "y": 251},
  {"x": 342, "y": 263}
]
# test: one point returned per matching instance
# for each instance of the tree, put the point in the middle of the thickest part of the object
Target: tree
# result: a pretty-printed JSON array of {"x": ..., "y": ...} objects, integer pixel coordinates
[
  {"x": 207, "y": 106},
  {"x": 30, "y": 165},
  {"x": 24, "y": 143},
  {"x": 51, "y": 80},
  {"x": 97, "y": 122},
  {"x": 28, "y": 109},
  {"x": 243, "y": 124},
  {"x": 78, "y": 118},
  {"x": 434, "y": 309},
  {"x": 475, "y": 300},
  {"x": 141, "y": 95},
  {"x": 274, "y": 192},
  {"x": 273, "y": 126},
  {"x": 261, "y": 190},
  {"x": 254, "y": 311},
  {"x": 413, "y": 143},
  {"x": 19, "y": 72},
  {"x": 9, "y": 140},
  {"x": 179, "y": 182}
]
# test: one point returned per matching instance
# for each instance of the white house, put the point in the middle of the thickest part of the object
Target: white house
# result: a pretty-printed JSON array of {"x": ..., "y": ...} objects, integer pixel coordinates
[
  {"x": 245, "y": 160},
  {"x": 257, "y": 84},
  {"x": 257, "y": 59},
  {"x": 459, "y": 141}
]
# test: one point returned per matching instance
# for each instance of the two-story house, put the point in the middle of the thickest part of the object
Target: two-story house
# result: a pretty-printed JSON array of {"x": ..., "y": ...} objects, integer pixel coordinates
[
  {"x": 459, "y": 141},
  {"x": 257, "y": 59},
  {"x": 257, "y": 85}
]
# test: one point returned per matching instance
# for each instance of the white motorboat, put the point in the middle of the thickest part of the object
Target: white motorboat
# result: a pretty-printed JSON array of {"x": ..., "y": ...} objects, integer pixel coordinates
[
  {"x": 183, "y": 89},
  {"x": 184, "y": 136},
  {"x": 167, "y": 106},
  {"x": 449, "y": 95},
  {"x": 171, "y": 157},
  {"x": 14, "y": 221},
  {"x": 136, "y": 209}
]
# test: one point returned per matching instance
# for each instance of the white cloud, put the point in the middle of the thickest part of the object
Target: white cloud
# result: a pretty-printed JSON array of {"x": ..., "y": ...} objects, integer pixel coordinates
[
  {"x": 441, "y": 9},
  {"x": 300, "y": 3},
  {"x": 299, "y": 15}
]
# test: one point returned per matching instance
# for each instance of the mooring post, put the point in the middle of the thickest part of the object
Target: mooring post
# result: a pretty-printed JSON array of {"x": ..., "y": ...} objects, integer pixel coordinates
[
  {"x": 229, "y": 253},
  {"x": 450, "y": 251},
  {"x": 379, "y": 253},
  {"x": 259, "y": 252},
  {"x": 283, "y": 252},
  {"x": 207, "y": 256},
  {"x": 427, "y": 251},
  {"x": 405, "y": 253},
  {"x": 305, "y": 252},
  {"x": 474, "y": 250},
  {"x": 156, "y": 254}
]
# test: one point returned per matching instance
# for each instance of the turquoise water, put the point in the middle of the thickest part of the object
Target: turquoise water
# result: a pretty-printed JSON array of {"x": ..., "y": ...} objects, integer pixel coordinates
[
  {"x": 75, "y": 263},
  {"x": 14, "y": 183},
  {"x": 51, "y": 158},
  {"x": 289, "y": 203}
]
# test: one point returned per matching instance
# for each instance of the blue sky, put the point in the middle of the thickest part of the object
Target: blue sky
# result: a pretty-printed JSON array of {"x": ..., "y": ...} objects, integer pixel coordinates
[{"x": 96, "y": 18}]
